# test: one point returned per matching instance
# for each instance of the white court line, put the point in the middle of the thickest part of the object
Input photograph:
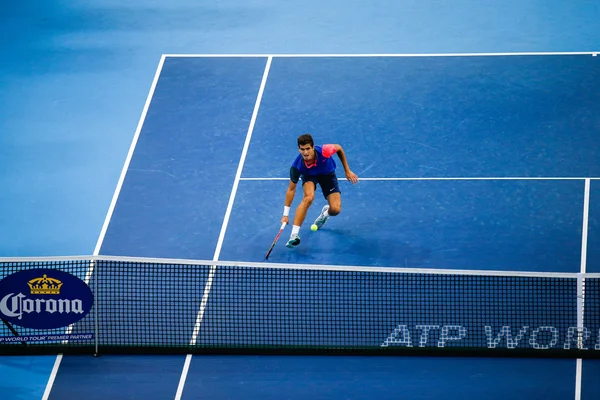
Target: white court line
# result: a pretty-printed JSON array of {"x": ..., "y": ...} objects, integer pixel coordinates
[
  {"x": 111, "y": 209},
  {"x": 584, "y": 229},
  {"x": 312, "y": 55},
  {"x": 52, "y": 376},
  {"x": 578, "y": 367},
  {"x": 491, "y": 178},
  {"x": 136, "y": 136},
  {"x": 581, "y": 290},
  {"x": 213, "y": 268}
]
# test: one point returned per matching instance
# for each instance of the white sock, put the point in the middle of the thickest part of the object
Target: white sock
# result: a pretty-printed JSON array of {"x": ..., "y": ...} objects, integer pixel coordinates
[{"x": 295, "y": 229}]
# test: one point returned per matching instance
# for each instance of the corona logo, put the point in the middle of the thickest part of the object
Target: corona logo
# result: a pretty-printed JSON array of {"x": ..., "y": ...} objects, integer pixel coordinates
[
  {"x": 44, "y": 299},
  {"x": 44, "y": 285}
]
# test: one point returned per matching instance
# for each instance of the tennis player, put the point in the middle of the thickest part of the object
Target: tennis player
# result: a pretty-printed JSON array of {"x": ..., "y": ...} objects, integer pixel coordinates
[{"x": 315, "y": 165}]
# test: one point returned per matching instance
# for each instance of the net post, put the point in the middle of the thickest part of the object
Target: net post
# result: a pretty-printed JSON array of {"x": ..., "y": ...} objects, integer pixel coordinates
[{"x": 580, "y": 310}]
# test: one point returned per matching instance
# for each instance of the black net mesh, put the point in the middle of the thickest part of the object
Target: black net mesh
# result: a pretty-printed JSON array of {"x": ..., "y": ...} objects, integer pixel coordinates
[{"x": 162, "y": 306}]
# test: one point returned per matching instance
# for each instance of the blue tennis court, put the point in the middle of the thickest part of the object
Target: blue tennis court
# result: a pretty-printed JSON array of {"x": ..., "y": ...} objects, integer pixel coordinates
[
  {"x": 485, "y": 162},
  {"x": 409, "y": 124}
]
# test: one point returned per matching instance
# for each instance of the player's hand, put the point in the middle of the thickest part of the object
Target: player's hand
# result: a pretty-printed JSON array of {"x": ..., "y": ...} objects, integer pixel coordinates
[
  {"x": 285, "y": 220},
  {"x": 351, "y": 176}
]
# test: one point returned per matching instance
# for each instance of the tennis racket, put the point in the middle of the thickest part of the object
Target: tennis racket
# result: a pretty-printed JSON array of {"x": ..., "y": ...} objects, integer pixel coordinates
[{"x": 275, "y": 241}]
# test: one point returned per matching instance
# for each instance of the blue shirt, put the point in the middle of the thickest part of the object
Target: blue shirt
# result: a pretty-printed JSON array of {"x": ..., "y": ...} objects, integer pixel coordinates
[{"x": 321, "y": 166}]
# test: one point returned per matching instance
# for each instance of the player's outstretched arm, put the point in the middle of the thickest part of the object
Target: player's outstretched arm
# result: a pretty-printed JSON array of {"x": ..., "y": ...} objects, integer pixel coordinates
[
  {"x": 351, "y": 176},
  {"x": 289, "y": 198}
]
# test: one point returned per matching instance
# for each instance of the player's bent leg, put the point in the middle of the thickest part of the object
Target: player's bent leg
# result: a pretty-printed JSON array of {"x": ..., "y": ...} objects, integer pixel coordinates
[{"x": 335, "y": 204}]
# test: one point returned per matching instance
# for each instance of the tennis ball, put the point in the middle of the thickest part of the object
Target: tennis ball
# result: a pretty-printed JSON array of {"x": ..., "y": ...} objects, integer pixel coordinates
[{"x": 314, "y": 228}]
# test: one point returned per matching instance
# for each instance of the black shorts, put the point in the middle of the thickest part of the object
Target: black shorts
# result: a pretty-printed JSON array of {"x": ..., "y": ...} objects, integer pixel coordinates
[{"x": 328, "y": 183}]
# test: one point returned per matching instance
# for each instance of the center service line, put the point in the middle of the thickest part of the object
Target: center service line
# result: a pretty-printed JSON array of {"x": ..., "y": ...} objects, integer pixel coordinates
[{"x": 581, "y": 286}]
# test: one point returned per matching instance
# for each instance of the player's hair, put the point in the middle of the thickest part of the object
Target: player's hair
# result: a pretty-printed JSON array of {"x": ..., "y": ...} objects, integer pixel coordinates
[{"x": 306, "y": 139}]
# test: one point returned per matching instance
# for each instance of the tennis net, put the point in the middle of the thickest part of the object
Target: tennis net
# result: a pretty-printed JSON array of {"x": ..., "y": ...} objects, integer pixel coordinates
[{"x": 101, "y": 304}]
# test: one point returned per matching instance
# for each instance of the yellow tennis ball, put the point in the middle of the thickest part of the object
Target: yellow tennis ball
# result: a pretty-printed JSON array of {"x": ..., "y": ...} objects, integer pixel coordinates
[{"x": 314, "y": 228}]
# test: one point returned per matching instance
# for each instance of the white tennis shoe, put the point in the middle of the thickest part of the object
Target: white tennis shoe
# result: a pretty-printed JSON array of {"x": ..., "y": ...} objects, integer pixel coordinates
[
  {"x": 321, "y": 219},
  {"x": 294, "y": 240}
]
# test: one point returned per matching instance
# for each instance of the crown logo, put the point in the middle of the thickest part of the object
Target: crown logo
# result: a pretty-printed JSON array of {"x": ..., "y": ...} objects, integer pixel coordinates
[{"x": 45, "y": 285}]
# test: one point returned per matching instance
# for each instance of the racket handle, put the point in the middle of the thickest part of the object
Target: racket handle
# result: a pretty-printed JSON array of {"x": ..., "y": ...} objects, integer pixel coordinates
[{"x": 282, "y": 226}]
